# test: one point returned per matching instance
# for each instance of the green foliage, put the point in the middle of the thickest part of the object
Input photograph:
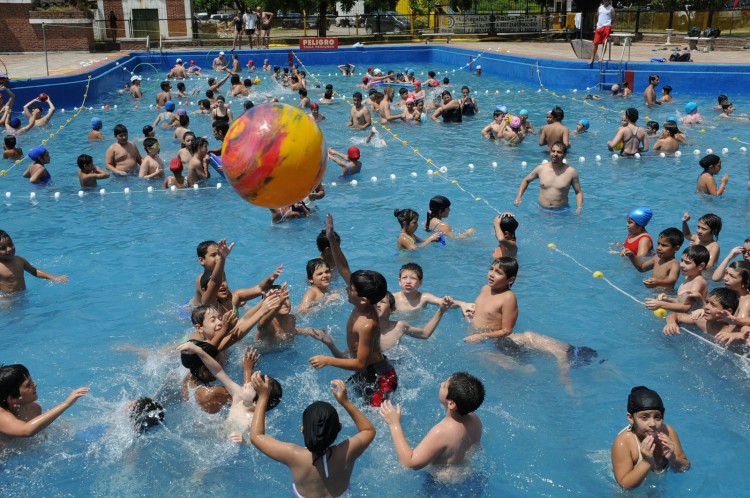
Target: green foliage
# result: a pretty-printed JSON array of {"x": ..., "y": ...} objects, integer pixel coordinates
[
  {"x": 210, "y": 6},
  {"x": 375, "y": 5}
]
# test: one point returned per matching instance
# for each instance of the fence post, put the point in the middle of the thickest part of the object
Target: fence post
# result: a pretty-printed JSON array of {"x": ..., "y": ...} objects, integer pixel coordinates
[
  {"x": 637, "y": 18},
  {"x": 710, "y": 16},
  {"x": 44, "y": 38},
  {"x": 671, "y": 19}
]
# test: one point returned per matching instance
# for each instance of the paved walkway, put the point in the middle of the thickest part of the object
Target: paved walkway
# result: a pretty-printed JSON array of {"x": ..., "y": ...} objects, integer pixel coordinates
[{"x": 32, "y": 65}]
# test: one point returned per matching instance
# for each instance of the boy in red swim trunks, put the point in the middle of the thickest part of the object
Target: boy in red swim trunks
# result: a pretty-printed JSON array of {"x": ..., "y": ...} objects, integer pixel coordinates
[
  {"x": 375, "y": 377},
  {"x": 606, "y": 16}
]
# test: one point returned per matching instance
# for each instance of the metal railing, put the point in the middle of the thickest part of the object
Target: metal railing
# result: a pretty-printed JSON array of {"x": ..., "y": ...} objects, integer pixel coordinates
[{"x": 730, "y": 21}]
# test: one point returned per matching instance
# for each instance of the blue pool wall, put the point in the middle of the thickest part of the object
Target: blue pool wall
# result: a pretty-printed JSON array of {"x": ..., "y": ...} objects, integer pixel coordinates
[{"x": 555, "y": 75}]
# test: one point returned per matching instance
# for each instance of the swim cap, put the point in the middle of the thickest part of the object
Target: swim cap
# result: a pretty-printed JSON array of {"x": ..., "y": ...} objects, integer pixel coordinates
[
  {"x": 615, "y": 87},
  {"x": 178, "y": 61},
  {"x": 410, "y": 100},
  {"x": 417, "y": 83},
  {"x": 377, "y": 71},
  {"x": 515, "y": 122},
  {"x": 175, "y": 165},
  {"x": 369, "y": 69},
  {"x": 353, "y": 152},
  {"x": 691, "y": 107},
  {"x": 169, "y": 105},
  {"x": 96, "y": 123},
  {"x": 523, "y": 112},
  {"x": 250, "y": 61},
  {"x": 641, "y": 216},
  {"x": 36, "y": 153},
  {"x": 411, "y": 71},
  {"x": 135, "y": 77},
  {"x": 672, "y": 119},
  {"x": 314, "y": 106},
  {"x": 642, "y": 398},
  {"x": 365, "y": 79},
  {"x": 585, "y": 123},
  {"x": 15, "y": 122},
  {"x": 479, "y": 67},
  {"x": 221, "y": 53},
  {"x": 192, "y": 62},
  {"x": 502, "y": 108},
  {"x": 320, "y": 426},
  {"x": 709, "y": 160}
]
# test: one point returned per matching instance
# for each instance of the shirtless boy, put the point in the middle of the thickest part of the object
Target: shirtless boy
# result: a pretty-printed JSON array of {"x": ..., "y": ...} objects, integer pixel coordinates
[
  {"x": 243, "y": 396},
  {"x": 12, "y": 268},
  {"x": 20, "y": 414},
  {"x": 88, "y": 174},
  {"x": 666, "y": 269},
  {"x": 449, "y": 445},
  {"x": 409, "y": 298},
  {"x": 359, "y": 116},
  {"x": 374, "y": 376},
  {"x": 720, "y": 299},
  {"x": 495, "y": 310},
  {"x": 391, "y": 332},
  {"x": 555, "y": 180},
  {"x": 319, "y": 278},
  {"x": 122, "y": 157},
  {"x": 554, "y": 131},
  {"x": 135, "y": 87},
  {"x": 151, "y": 166},
  {"x": 693, "y": 290},
  {"x": 280, "y": 325}
]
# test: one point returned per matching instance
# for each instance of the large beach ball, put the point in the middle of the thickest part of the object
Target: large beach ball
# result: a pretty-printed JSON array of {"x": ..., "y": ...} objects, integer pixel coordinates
[{"x": 274, "y": 155}]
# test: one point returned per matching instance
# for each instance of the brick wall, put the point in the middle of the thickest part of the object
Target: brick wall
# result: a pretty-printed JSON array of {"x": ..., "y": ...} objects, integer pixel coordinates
[
  {"x": 19, "y": 35},
  {"x": 115, "y": 5},
  {"x": 176, "y": 15}
]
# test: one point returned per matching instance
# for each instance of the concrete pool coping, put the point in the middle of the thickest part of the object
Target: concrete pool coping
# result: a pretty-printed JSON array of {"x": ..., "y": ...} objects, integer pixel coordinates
[{"x": 32, "y": 65}]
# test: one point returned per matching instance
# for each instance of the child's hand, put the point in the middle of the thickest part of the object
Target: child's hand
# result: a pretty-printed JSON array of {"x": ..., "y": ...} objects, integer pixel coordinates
[
  {"x": 322, "y": 335},
  {"x": 467, "y": 309},
  {"x": 737, "y": 251},
  {"x": 329, "y": 227},
  {"x": 236, "y": 437},
  {"x": 250, "y": 358},
  {"x": 475, "y": 338},
  {"x": 726, "y": 337},
  {"x": 470, "y": 231},
  {"x": 187, "y": 348},
  {"x": 686, "y": 217},
  {"x": 647, "y": 447},
  {"x": 260, "y": 384},
  {"x": 271, "y": 301},
  {"x": 224, "y": 250},
  {"x": 318, "y": 361},
  {"x": 390, "y": 414},
  {"x": 666, "y": 446},
  {"x": 60, "y": 278},
  {"x": 653, "y": 304},
  {"x": 276, "y": 274},
  {"x": 78, "y": 393},
  {"x": 725, "y": 179},
  {"x": 446, "y": 303},
  {"x": 338, "y": 388},
  {"x": 627, "y": 253},
  {"x": 671, "y": 328},
  {"x": 650, "y": 282},
  {"x": 434, "y": 237},
  {"x": 229, "y": 317}
]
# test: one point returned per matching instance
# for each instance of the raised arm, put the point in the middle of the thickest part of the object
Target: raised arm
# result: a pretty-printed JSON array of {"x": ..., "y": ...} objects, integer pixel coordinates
[
  {"x": 429, "y": 328},
  {"x": 425, "y": 452},
  {"x": 342, "y": 265},
  {"x": 718, "y": 274},
  {"x": 213, "y": 366},
  {"x": 243, "y": 295},
  {"x": 217, "y": 275},
  {"x": 14, "y": 427},
  {"x": 50, "y": 112},
  {"x": 685, "y": 226},
  {"x": 357, "y": 444},
  {"x": 273, "y": 448}
]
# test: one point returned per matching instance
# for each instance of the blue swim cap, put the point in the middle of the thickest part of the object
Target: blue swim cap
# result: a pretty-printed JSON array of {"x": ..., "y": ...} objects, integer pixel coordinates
[
  {"x": 15, "y": 122},
  {"x": 96, "y": 124},
  {"x": 691, "y": 107},
  {"x": 672, "y": 119},
  {"x": 411, "y": 71},
  {"x": 641, "y": 216},
  {"x": 501, "y": 108},
  {"x": 36, "y": 153},
  {"x": 585, "y": 123},
  {"x": 169, "y": 105},
  {"x": 523, "y": 112}
]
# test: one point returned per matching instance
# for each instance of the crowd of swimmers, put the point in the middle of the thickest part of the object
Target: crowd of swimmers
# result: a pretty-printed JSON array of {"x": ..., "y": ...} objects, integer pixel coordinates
[{"x": 223, "y": 317}]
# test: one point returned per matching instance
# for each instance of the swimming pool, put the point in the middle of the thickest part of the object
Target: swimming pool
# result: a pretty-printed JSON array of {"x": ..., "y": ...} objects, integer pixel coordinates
[{"x": 132, "y": 264}]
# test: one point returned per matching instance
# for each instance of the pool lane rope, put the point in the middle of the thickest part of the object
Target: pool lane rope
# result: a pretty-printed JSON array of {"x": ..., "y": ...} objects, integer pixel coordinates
[{"x": 80, "y": 108}]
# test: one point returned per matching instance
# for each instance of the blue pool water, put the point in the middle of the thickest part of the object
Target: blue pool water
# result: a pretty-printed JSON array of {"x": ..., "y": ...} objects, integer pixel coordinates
[{"x": 131, "y": 263}]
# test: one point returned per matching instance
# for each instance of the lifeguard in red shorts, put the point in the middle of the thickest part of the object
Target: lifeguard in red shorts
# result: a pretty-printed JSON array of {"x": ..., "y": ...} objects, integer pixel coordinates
[{"x": 603, "y": 26}]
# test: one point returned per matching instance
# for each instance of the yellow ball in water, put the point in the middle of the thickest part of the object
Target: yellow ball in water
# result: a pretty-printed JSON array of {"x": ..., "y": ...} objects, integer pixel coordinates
[
  {"x": 552, "y": 245},
  {"x": 660, "y": 312},
  {"x": 256, "y": 81},
  {"x": 598, "y": 274},
  {"x": 274, "y": 155}
]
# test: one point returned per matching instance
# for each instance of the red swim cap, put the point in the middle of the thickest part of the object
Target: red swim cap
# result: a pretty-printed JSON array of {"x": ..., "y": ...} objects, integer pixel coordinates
[{"x": 353, "y": 152}]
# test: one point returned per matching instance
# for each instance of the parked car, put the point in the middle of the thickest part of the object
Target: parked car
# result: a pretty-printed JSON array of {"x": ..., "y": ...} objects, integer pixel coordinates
[
  {"x": 294, "y": 20},
  {"x": 202, "y": 16},
  {"x": 390, "y": 21},
  {"x": 345, "y": 21},
  {"x": 221, "y": 18}
]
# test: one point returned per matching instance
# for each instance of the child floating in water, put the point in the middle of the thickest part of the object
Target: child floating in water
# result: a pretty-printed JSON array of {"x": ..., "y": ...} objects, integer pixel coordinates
[
  {"x": 582, "y": 126},
  {"x": 647, "y": 443},
  {"x": 407, "y": 239},
  {"x": 448, "y": 446},
  {"x": 711, "y": 165}
]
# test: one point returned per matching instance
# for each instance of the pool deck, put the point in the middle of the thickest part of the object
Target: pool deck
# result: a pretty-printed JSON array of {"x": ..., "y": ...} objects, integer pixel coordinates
[{"x": 32, "y": 65}]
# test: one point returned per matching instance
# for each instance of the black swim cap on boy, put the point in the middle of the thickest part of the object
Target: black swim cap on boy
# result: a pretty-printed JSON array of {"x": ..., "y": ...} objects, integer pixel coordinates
[
  {"x": 642, "y": 398},
  {"x": 320, "y": 426}
]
